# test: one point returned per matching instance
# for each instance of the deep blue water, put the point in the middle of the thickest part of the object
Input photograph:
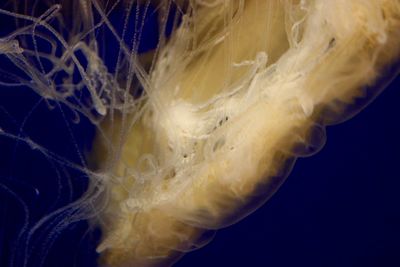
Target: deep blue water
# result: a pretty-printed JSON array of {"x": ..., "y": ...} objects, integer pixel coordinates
[{"x": 338, "y": 208}]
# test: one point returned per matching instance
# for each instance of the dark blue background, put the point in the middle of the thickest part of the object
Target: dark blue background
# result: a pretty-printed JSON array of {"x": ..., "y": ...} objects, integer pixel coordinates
[{"x": 338, "y": 208}]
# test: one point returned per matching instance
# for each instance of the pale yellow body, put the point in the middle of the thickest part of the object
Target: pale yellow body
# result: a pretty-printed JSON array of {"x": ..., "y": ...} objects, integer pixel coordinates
[{"x": 235, "y": 96}]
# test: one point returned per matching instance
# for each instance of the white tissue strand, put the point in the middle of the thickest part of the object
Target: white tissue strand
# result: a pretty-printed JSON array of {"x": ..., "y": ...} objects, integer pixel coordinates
[{"x": 237, "y": 90}]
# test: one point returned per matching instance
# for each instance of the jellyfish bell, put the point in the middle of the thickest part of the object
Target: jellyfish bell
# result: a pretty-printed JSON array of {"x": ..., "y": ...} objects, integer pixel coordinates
[
  {"x": 200, "y": 132},
  {"x": 239, "y": 91}
]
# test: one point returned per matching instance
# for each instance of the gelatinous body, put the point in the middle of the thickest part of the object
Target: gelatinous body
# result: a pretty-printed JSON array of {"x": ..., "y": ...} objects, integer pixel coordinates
[
  {"x": 225, "y": 120},
  {"x": 197, "y": 134}
]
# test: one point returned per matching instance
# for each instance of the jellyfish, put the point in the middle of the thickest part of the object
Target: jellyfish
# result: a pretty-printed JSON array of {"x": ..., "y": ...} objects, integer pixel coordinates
[{"x": 199, "y": 108}]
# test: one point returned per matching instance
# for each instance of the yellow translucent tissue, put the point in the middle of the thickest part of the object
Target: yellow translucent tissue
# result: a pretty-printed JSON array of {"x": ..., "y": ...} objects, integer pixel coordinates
[{"x": 237, "y": 93}]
